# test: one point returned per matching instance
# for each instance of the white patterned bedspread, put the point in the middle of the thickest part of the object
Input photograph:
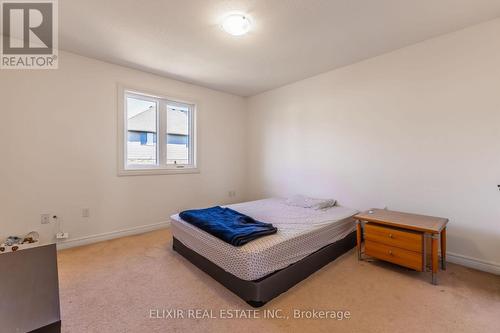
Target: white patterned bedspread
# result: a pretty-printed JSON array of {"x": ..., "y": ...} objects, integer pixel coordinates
[{"x": 301, "y": 231}]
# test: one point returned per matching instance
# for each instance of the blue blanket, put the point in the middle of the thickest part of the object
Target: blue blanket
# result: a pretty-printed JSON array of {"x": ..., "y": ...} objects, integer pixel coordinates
[{"x": 227, "y": 224}]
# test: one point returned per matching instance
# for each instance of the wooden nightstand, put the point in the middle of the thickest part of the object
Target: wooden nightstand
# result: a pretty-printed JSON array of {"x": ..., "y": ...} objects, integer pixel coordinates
[{"x": 403, "y": 239}]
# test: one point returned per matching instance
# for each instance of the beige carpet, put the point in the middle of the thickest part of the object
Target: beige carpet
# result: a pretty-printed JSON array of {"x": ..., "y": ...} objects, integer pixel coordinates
[{"x": 112, "y": 286}]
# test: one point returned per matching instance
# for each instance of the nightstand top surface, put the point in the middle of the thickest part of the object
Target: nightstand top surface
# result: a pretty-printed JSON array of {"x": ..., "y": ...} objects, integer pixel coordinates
[{"x": 417, "y": 222}]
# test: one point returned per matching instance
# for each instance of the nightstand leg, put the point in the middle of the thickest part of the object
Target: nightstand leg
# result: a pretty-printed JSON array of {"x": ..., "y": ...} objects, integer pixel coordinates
[
  {"x": 358, "y": 238},
  {"x": 443, "y": 249},
  {"x": 424, "y": 247},
  {"x": 435, "y": 265}
]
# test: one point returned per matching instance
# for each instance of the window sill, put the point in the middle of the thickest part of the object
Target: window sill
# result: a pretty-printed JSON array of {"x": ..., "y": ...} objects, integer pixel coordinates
[{"x": 150, "y": 172}]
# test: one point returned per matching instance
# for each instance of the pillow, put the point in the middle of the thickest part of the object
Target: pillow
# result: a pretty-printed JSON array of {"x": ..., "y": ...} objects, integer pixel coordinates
[{"x": 307, "y": 202}]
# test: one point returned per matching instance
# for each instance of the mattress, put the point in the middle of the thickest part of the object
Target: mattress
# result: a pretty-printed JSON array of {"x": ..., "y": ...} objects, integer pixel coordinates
[{"x": 301, "y": 231}]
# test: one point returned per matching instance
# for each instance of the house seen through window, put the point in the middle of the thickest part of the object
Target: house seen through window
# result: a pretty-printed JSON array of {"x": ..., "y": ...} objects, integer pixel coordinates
[{"x": 159, "y": 133}]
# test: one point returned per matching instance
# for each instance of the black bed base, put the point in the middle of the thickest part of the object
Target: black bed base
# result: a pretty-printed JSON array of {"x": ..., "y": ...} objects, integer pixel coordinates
[{"x": 259, "y": 292}]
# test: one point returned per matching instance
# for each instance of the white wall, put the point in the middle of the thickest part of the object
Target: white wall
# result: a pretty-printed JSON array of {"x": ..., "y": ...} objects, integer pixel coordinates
[
  {"x": 416, "y": 130},
  {"x": 58, "y": 151}
]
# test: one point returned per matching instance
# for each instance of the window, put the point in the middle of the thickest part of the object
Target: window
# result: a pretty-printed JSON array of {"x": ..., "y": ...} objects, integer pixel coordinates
[
  {"x": 157, "y": 136},
  {"x": 178, "y": 120}
]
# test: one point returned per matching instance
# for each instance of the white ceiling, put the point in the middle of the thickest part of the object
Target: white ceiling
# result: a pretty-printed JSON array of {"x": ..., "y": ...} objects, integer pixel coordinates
[{"x": 290, "y": 39}]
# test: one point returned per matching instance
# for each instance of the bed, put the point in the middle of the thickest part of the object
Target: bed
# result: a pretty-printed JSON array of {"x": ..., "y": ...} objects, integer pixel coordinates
[{"x": 307, "y": 239}]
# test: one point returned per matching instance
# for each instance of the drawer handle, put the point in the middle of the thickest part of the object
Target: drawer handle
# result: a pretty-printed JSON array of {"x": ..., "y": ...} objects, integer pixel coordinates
[
  {"x": 390, "y": 235},
  {"x": 390, "y": 252}
]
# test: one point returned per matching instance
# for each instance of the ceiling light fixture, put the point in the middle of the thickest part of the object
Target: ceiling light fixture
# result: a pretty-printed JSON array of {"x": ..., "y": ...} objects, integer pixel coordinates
[{"x": 236, "y": 24}]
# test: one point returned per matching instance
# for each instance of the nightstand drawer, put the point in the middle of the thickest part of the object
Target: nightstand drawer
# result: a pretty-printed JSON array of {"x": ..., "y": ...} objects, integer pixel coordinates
[
  {"x": 395, "y": 255},
  {"x": 408, "y": 240}
]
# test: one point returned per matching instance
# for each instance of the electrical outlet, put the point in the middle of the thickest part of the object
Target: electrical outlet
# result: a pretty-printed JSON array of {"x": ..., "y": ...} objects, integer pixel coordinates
[
  {"x": 45, "y": 218},
  {"x": 85, "y": 212},
  {"x": 498, "y": 187},
  {"x": 231, "y": 194},
  {"x": 62, "y": 235}
]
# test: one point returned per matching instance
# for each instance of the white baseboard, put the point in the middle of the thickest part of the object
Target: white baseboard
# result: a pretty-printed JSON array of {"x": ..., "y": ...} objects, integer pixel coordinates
[
  {"x": 80, "y": 241},
  {"x": 481, "y": 265}
]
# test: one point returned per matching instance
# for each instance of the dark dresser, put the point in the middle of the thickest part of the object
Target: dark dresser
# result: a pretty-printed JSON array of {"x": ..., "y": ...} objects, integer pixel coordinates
[{"x": 29, "y": 290}]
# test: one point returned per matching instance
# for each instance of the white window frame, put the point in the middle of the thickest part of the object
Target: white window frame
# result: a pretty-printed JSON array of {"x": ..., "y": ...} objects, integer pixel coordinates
[{"x": 162, "y": 168}]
